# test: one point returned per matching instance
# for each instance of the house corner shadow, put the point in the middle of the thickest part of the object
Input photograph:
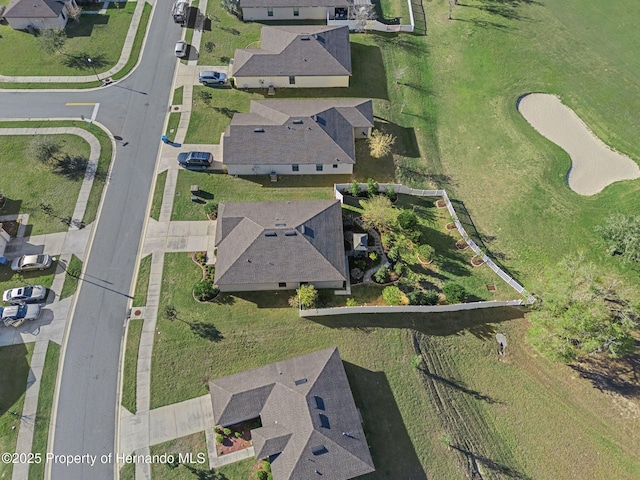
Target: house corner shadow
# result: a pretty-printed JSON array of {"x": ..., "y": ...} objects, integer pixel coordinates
[
  {"x": 13, "y": 381},
  {"x": 390, "y": 444}
]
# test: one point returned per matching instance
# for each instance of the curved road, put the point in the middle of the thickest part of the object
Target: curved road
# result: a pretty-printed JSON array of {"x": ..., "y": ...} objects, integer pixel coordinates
[{"x": 135, "y": 110}]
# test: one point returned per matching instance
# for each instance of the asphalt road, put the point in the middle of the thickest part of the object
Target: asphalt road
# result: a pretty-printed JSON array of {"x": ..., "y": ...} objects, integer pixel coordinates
[{"x": 133, "y": 109}]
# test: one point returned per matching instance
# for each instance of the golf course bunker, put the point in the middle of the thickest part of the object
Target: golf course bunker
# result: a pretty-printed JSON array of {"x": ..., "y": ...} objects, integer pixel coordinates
[{"x": 593, "y": 164}]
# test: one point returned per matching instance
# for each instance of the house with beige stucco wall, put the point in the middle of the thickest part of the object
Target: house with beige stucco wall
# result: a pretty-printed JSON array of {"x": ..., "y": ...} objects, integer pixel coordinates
[
  {"x": 38, "y": 14},
  {"x": 295, "y": 57}
]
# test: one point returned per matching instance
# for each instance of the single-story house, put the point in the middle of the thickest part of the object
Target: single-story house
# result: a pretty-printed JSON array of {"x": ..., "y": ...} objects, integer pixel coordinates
[
  {"x": 279, "y": 245},
  {"x": 38, "y": 14},
  {"x": 311, "y": 427},
  {"x": 295, "y": 57},
  {"x": 296, "y": 9},
  {"x": 296, "y": 137}
]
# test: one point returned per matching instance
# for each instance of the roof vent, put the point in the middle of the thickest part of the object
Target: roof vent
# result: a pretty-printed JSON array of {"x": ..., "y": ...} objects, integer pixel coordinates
[
  {"x": 297, "y": 122},
  {"x": 305, "y": 38},
  {"x": 290, "y": 233},
  {"x": 258, "y": 130},
  {"x": 281, "y": 224},
  {"x": 319, "y": 450},
  {"x": 300, "y": 381},
  {"x": 270, "y": 233}
]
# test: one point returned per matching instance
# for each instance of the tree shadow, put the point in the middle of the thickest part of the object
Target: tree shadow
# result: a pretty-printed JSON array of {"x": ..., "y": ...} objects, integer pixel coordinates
[
  {"x": 479, "y": 322},
  {"x": 459, "y": 386},
  {"x": 491, "y": 464},
  {"x": 206, "y": 331},
  {"x": 227, "y": 112},
  {"x": 621, "y": 376},
  {"x": 84, "y": 28},
  {"x": 389, "y": 442},
  {"x": 72, "y": 168},
  {"x": 267, "y": 299},
  {"x": 205, "y": 474},
  {"x": 80, "y": 61},
  {"x": 507, "y": 9}
]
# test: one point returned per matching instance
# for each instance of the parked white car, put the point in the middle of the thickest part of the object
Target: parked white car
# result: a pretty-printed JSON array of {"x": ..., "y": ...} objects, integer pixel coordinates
[
  {"x": 26, "y": 294},
  {"x": 16, "y": 315},
  {"x": 181, "y": 49}
]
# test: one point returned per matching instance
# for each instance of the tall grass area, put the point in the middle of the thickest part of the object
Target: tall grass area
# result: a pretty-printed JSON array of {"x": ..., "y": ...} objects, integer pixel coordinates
[
  {"x": 43, "y": 412},
  {"x": 15, "y": 361}
]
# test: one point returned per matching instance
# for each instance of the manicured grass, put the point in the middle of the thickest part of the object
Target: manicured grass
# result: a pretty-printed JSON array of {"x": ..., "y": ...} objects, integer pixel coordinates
[
  {"x": 177, "y": 96},
  {"x": 103, "y": 163},
  {"x": 227, "y": 33},
  {"x": 142, "y": 282},
  {"x": 137, "y": 43},
  {"x": 210, "y": 118},
  {"x": 388, "y": 9},
  {"x": 15, "y": 360},
  {"x": 43, "y": 413},
  {"x": 220, "y": 187},
  {"x": 71, "y": 281},
  {"x": 99, "y": 37},
  {"x": 128, "y": 471},
  {"x": 194, "y": 444},
  {"x": 134, "y": 332},
  {"x": 161, "y": 180},
  {"x": 238, "y": 470},
  {"x": 172, "y": 125},
  {"x": 34, "y": 183}
]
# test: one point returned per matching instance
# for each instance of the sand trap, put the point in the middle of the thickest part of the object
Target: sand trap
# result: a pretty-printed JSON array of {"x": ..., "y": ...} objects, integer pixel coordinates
[{"x": 593, "y": 164}]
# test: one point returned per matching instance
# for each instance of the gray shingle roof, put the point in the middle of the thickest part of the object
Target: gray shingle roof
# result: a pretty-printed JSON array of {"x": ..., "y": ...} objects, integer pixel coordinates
[
  {"x": 271, "y": 242},
  {"x": 35, "y": 9},
  {"x": 281, "y": 132},
  {"x": 314, "y": 426},
  {"x": 308, "y": 50},
  {"x": 294, "y": 3}
]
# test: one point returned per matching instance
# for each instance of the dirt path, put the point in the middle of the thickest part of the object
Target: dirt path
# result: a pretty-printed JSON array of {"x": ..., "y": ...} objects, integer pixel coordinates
[{"x": 593, "y": 164}]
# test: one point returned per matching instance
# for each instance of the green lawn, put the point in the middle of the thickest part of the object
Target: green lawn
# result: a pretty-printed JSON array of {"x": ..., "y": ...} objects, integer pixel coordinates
[
  {"x": 130, "y": 365},
  {"x": 71, "y": 281},
  {"x": 191, "y": 444},
  {"x": 43, "y": 413},
  {"x": 101, "y": 173},
  {"x": 142, "y": 282},
  {"x": 99, "y": 37},
  {"x": 177, "y": 96},
  {"x": 10, "y": 279},
  {"x": 13, "y": 383},
  {"x": 172, "y": 125},
  {"x": 220, "y": 187},
  {"x": 388, "y": 9},
  {"x": 34, "y": 183},
  {"x": 158, "y": 191}
]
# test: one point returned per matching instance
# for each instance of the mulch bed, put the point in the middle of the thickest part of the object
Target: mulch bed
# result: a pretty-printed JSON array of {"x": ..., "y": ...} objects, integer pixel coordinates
[
  {"x": 461, "y": 245},
  {"x": 231, "y": 443},
  {"x": 477, "y": 261},
  {"x": 450, "y": 226}
]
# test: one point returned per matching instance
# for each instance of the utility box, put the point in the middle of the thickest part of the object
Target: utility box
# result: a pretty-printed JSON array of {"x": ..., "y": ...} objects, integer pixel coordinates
[{"x": 180, "y": 11}]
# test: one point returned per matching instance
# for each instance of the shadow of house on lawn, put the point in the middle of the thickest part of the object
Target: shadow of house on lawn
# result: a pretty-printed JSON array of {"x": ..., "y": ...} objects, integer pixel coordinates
[
  {"x": 389, "y": 442},
  {"x": 84, "y": 28},
  {"x": 479, "y": 322},
  {"x": 13, "y": 379}
]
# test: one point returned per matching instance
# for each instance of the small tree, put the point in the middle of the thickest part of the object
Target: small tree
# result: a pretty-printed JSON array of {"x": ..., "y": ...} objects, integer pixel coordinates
[
  {"x": 382, "y": 274},
  {"x": 306, "y": 297},
  {"x": 354, "y": 188},
  {"x": 361, "y": 15},
  {"x": 454, "y": 293},
  {"x": 391, "y": 194},
  {"x": 407, "y": 220},
  {"x": 261, "y": 475},
  {"x": 351, "y": 302},
  {"x": 44, "y": 149},
  {"x": 209, "y": 46},
  {"x": 52, "y": 40},
  {"x": 170, "y": 312},
  {"x": 74, "y": 12},
  {"x": 392, "y": 295},
  {"x": 211, "y": 209},
  {"x": 380, "y": 144},
  {"x": 205, "y": 290},
  {"x": 378, "y": 213},
  {"x": 372, "y": 187}
]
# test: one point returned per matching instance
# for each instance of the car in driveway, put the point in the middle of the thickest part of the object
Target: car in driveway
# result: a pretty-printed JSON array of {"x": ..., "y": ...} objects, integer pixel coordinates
[
  {"x": 195, "y": 160},
  {"x": 212, "y": 78},
  {"x": 31, "y": 262},
  {"x": 16, "y": 315},
  {"x": 28, "y": 294},
  {"x": 181, "y": 49}
]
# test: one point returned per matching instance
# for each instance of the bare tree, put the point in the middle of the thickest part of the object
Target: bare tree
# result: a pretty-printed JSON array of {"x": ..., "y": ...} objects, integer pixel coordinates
[
  {"x": 75, "y": 12},
  {"x": 361, "y": 15},
  {"x": 52, "y": 40},
  {"x": 380, "y": 144}
]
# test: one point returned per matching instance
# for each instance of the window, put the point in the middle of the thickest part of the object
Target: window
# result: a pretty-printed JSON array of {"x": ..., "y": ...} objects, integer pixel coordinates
[
  {"x": 292, "y": 80},
  {"x": 335, "y": 165},
  {"x": 296, "y": 12},
  {"x": 282, "y": 284},
  {"x": 270, "y": 12},
  {"x": 295, "y": 167},
  {"x": 318, "y": 167}
]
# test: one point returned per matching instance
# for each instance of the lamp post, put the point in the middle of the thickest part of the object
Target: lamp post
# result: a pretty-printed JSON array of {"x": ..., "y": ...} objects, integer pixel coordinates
[{"x": 93, "y": 66}]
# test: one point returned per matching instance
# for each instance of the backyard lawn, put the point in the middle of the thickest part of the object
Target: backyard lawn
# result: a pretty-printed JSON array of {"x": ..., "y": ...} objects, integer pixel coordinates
[{"x": 99, "y": 37}]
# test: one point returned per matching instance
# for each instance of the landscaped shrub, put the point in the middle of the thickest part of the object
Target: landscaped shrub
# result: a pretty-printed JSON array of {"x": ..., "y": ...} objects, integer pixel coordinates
[
  {"x": 211, "y": 209},
  {"x": 382, "y": 275},
  {"x": 372, "y": 187},
  {"x": 360, "y": 263},
  {"x": 407, "y": 219},
  {"x": 354, "y": 188},
  {"x": 201, "y": 258},
  {"x": 205, "y": 290},
  {"x": 218, "y": 430},
  {"x": 261, "y": 475},
  {"x": 266, "y": 466},
  {"x": 306, "y": 297},
  {"x": 426, "y": 252},
  {"x": 357, "y": 274},
  {"x": 454, "y": 293},
  {"x": 391, "y": 194},
  {"x": 431, "y": 297},
  {"x": 351, "y": 302},
  {"x": 238, "y": 434},
  {"x": 420, "y": 297},
  {"x": 392, "y": 295},
  {"x": 387, "y": 240},
  {"x": 227, "y": 431},
  {"x": 373, "y": 256},
  {"x": 394, "y": 253},
  {"x": 398, "y": 268},
  {"x": 219, "y": 439}
]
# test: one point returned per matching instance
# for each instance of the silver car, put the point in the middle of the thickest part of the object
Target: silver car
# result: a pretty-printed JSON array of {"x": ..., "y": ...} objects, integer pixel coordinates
[
  {"x": 16, "y": 315},
  {"x": 31, "y": 262},
  {"x": 24, "y": 294},
  {"x": 181, "y": 49}
]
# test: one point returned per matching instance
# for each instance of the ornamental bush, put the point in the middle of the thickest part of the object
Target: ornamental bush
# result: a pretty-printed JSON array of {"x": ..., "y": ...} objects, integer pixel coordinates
[
  {"x": 426, "y": 252},
  {"x": 205, "y": 290},
  {"x": 454, "y": 293},
  {"x": 227, "y": 431},
  {"x": 408, "y": 220},
  {"x": 382, "y": 275},
  {"x": 211, "y": 209},
  {"x": 392, "y": 295}
]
